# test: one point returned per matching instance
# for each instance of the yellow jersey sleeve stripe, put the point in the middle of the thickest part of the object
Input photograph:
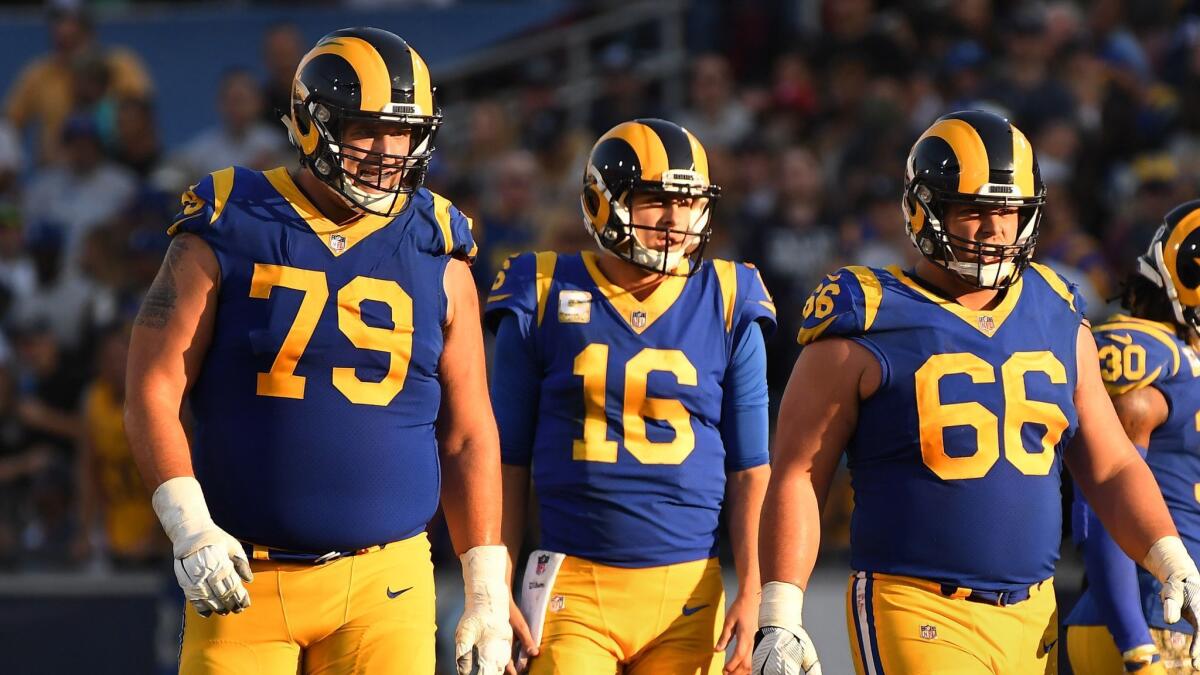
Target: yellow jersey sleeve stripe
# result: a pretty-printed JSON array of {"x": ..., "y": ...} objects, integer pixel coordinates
[
  {"x": 872, "y": 292},
  {"x": 1055, "y": 282},
  {"x": 222, "y": 188},
  {"x": 809, "y": 335},
  {"x": 1152, "y": 332},
  {"x": 546, "y": 260},
  {"x": 441, "y": 211},
  {"x": 727, "y": 280}
]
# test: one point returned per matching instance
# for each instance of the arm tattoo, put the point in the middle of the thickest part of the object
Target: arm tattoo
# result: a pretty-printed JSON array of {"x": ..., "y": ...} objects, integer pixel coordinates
[{"x": 159, "y": 303}]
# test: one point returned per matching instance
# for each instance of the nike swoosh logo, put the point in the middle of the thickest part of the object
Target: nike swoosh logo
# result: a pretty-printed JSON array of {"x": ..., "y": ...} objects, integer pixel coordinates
[
  {"x": 1125, "y": 339},
  {"x": 395, "y": 594},
  {"x": 688, "y": 611},
  {"x": 1047, "y": 647}
]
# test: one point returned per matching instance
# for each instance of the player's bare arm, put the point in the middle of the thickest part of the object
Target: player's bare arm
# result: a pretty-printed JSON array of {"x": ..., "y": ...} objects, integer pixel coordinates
[
  {"x": 1116, "y": 480},
  {"x": 167, "y": 346},
  {"x": 1141, "y": 411},
  {"x": 815, "y": 424},
  {"x": 467, "y": 437},
  {"x": 469, "y": 446},
  {"x": 746, "y": 490},
  {"x": 169, "y": 340}
]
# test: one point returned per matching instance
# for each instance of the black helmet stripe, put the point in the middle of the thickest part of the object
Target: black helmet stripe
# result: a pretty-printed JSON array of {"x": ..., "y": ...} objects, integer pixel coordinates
[
  {"x": 675, "y": 142},
  {"x": 997, "y": 137}
]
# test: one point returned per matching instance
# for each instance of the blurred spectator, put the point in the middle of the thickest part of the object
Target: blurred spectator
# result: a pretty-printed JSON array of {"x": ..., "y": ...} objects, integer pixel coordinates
[
  {"x": 283, "y": 46},
  {"x": 242, "y": 138},
  {"x": 1027, "y": 86},
  {"x": 715, "y": 116},
  {"x": 48, "y": 386},
  {"x": 18, "y": 275},
  {"x": 137, "y": 146},
  {"x": 12, "y": 160},
  {"x": 623, "y": 94},
  {"x": 509, "y": 220},
  {"x": 114, "y": 505},
  {"x": 43, "y": 94},
  {"x": 73, "y": 198},
  {"x": 21, "y": 458}
]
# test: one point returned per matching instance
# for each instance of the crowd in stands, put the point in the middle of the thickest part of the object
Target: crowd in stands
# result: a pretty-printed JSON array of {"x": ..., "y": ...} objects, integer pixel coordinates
[{"x": 807, "y": 119}]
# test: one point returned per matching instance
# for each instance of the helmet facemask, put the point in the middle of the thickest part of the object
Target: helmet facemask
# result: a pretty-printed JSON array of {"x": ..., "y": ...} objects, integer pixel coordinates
[
  {"x": 380, "y": 182},
  {"x": 967, "y": 258},
  {"x": 620, "y": 236}
]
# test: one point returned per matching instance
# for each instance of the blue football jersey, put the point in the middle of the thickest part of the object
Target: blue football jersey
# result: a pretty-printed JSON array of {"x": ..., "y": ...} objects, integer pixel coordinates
[
  {"x": 316, "y": 402},
  {"x": 955, "y": 461},
  {"x": 627, "y": 460},
  {"x": 1136, "y": 353}
]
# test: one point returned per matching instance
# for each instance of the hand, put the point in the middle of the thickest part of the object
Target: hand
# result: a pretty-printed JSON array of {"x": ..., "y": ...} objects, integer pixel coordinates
[
  {"x": 210, "y": 565},
  {"x": 1169, "y": 562},
  {"x": 211, "y": 577},
  {"x": 1144, "y": 660},
  {"x": 741, "y": 622},
  {"x": 526, "y": 647},
  {"x": 483, "y": 639},
  {"x": 778, "y": 651},
  {"x": 782, "y": 646}
]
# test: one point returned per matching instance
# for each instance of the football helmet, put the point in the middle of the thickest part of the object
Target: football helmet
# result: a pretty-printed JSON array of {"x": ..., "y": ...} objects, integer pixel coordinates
[
  {"x": 1172, "y": 262},
  {"x": 973, "y": 157},
  {"x": 364, "y": 76},
  {"x": 648, "y": 156}
]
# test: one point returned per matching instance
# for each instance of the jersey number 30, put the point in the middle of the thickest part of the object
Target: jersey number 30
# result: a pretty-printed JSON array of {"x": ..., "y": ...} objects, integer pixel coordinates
[
  {"x": 282, "y": 380},
  {"x": 936, "y": 416}
]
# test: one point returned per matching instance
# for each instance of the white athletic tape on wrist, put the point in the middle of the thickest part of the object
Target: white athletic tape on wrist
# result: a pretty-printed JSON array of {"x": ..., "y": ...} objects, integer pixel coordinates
[
  {"x": 781, "y": 605},
  {"x": 1169, "y": 556}
]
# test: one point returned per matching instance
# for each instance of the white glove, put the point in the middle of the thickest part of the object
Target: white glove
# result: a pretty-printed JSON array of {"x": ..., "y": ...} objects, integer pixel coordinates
[
  {"x": 483, "y": 639},
  {"x": 782, "y": 646},
  {"x": 1170, "y": 563},
  {"x": 208, "y": 562}
]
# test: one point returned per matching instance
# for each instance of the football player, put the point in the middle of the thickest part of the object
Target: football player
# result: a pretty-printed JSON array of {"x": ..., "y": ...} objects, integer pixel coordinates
[
  {"x": 629, "y": 383},
  {"x": 1152, "y": 373},
  {"x": 957, "y": 389},
  {"x": 326, "y": 329}
]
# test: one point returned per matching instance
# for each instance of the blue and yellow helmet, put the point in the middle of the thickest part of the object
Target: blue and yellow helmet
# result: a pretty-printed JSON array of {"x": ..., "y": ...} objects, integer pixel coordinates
[
  {"x": 364, "y": 75},
  {"x": 973, "y": 157},
  {"x": 1172, "y": 262},
  {"x": 648, "y": 156}
]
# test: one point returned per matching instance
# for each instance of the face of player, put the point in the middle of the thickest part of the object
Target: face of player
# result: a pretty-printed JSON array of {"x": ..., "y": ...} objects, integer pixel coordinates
[
  {"x": 983, "y": 225},
  {"x": 662, "y": 219},
  {"x": 365, "y": 145}
]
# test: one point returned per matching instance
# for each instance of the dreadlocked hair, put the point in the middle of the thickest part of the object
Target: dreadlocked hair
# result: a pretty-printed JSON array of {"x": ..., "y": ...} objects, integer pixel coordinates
[{"x": 1144, "y": 300}]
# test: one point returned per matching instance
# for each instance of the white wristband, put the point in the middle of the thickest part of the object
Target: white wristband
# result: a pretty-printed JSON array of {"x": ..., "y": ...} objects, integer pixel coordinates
[
  {"x": 179, "y": 504},
  {"x": 1169, "y": 556},
  {"x": 485, "y": 569},
  {"x": 782, "y": 605}
]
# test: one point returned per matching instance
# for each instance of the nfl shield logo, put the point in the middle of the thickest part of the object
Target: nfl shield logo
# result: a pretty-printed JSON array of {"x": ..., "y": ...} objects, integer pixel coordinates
[
  {"x": 639, "y": 319},
  {"x": 928, "y": 632},
  {"x": 541, "y": 564},
  {"x": 557, "y": 603},
  {"x": 338, "y": 243},
  {"x": 987, "y": 324}
]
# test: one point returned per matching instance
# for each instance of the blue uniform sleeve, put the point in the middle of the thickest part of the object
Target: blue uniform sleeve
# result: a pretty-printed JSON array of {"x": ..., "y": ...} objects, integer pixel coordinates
[
  {"x": 452, "y": 232},
  {"x": 515, "y": 391},
  {"x": 1112, "y": 578},
  {"x": 201, "y": 204},
  {"x": 1134, "y": 354},
  {"x": 844, "y": 304},
  {"x": 744, "y": 417},
  {"x": 755, "y": 305},
  {"x": 515, "y": 292}
]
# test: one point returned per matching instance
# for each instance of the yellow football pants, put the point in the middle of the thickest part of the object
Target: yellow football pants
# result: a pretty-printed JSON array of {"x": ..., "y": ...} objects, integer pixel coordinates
[
  {"x": 906, "y": 625},
  {"x": 605, "y": 620},
  {"x": 360, "y": 615},
  {"x": 1092, "y": 651}
]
